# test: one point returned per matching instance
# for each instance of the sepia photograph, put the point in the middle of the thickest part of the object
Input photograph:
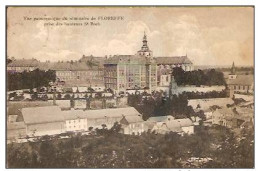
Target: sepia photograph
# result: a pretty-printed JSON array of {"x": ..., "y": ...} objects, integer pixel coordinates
[{"x": 130, "y": 87}]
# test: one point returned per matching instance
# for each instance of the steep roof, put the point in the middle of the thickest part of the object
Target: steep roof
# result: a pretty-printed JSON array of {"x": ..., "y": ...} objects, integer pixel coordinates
[
  {"x": 241, "y": 80},
  {"x": 133, "y": 118},
  {"x": 173, "y": 60},
  {"x": 47, "y": 114}
]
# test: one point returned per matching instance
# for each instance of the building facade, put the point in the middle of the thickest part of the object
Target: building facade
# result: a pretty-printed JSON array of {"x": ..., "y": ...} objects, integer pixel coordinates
[
  {"x": 165, "y": 66},
  {"x": 128, "y": 72},
  {"x": 20, "y": 65}
]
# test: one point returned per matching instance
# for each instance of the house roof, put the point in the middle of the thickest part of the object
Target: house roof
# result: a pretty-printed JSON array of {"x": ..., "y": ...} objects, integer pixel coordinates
[
  {"x": 73, "y": 114},
  {"x": 96, "y": 60},
  {"x": 173, "y": 60},
  {"x": 133, "y": 118},
  {"x": 241, "y": 80},
  {"x": 224, "y": 112},
  {"x": 127, "y": 59},
  {"x": 24, "y": 63},
  {"x": 47, "y": 114},
  {"x": 163, "y": 127},
  {"x": 67, "y": 66},
  {"x": 113, "y": 112}
]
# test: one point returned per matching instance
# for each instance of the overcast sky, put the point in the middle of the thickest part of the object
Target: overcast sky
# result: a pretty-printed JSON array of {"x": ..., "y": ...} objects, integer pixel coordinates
[{"x": 208, "y": 35}]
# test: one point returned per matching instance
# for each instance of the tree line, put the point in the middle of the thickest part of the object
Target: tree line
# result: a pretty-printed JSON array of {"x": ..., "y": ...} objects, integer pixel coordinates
[
  {"x": 109, "y": 149},
  {"x": 198, "y": 77},
  {"x": 158, "y": 104},
  {"x": 29, "y": 80}
]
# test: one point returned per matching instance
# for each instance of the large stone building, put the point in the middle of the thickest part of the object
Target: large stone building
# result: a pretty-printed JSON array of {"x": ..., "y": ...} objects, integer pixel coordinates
[
  {"x": 20, "y": 65},
  {"x": 79, "y": 73},
  {"x": 165, "y": 66},
  {"x": 126, "y": 72}
]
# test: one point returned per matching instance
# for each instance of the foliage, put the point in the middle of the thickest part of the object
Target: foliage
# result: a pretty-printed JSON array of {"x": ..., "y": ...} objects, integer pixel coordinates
[
  {"x": 160, "y": 105},
  {"x": 205, "y": 95},
  {"x": 29, "y": 80},
  {"x": 114, "y": 150},
  {"x": 198, "y": 77}
]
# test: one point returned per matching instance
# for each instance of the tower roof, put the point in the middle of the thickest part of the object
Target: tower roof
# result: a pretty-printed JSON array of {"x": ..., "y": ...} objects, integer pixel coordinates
[
  {"x": 145, "y": 45},
  {"x": 233, "y": 69}
]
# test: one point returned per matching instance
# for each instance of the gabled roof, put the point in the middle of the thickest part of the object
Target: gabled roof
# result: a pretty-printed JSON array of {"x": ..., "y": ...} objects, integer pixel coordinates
[
  {"x": 133, "y": 118},
  {"x": 42, "y": 114},
  {"x": 173, "y": 60},
  {"x": 241, "y": 80}
]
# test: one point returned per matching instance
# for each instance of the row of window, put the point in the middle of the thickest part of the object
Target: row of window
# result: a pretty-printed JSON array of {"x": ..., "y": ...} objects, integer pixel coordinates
[{"x": 240, "y": 87}]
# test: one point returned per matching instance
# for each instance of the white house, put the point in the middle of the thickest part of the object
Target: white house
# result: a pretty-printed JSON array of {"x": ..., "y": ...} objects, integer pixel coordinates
[
  {"x": 75, "y": 120},
  {"x": 132, "y": 124}
]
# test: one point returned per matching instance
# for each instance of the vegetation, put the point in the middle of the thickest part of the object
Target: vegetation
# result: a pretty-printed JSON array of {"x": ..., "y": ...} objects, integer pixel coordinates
[
  {"x": 29, "y": 80},
  {"x": 202, "y": 95},
  {"x": 159, "y": 105},
  {"x": 109, "y": 149},
  {"x": 198, "y": 77}
]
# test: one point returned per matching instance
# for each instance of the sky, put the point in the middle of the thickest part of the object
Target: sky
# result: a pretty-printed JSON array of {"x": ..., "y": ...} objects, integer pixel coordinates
[{"x": 207, "y": 35}]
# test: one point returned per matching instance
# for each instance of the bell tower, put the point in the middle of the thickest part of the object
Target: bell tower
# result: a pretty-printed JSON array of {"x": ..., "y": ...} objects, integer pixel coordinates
[
  {"x": 232, "y": 74},
  {"x": 145, "y": 51}
]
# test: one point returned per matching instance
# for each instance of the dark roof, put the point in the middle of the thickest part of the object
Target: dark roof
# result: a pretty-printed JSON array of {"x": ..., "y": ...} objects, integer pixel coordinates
[
  {"x": 67, "y": 66},
  {"x": 241, "y": 80},
  {"x": 173, "y": 60},
  {"x": 97, "y": 60},
  {"x": 130, "y": 59},
  {"x": 24, "y": 63}
]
